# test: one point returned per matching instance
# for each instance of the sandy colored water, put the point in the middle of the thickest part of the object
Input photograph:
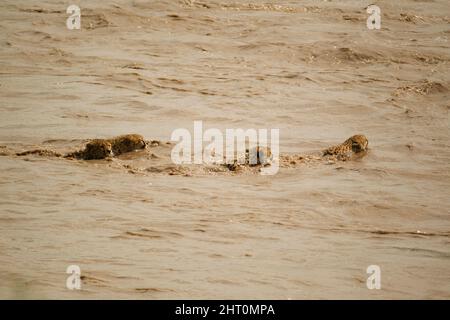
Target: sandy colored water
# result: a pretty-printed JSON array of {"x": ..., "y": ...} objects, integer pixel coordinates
[{"x": 310, "y": 68}]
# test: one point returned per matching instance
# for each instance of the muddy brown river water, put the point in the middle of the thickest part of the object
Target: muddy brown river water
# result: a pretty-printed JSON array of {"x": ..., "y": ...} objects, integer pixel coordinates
[{"x": 311, "y": 69}]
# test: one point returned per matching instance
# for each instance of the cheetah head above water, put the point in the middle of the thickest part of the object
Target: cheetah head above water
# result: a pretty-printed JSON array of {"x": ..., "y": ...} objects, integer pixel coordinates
[{"x": 357, "y": 143}]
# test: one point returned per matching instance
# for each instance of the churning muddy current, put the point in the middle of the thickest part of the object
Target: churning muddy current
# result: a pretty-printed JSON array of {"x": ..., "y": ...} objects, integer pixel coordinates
[{"x": 141, "y": 227}]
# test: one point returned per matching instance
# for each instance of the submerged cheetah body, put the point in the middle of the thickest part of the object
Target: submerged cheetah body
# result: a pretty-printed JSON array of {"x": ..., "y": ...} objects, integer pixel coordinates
[
  {"x": 254, "y": 159},
  {"x": 105, "y": 148},
  {"x": 257, "y": 156}
]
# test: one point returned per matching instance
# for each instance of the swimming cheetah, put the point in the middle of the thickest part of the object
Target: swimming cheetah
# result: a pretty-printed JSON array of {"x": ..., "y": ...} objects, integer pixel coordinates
[
  {"x": 253, "y": 157},
  {"x": 357, "y": 143},
  {"x": 127, "y": 143},
  {"x": 105, "y": 148},
  {"x": 259, "y": 156}
]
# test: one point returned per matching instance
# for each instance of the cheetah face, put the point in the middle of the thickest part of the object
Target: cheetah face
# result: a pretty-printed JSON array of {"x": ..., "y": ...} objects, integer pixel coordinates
[
  {"x": 142, "y": 144},
  {"x": 259, "y": 155},
  {"x": 359, "y": 143},
  {"x": 127, "y": 143},
  {"x": 98, "y": 149}
]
